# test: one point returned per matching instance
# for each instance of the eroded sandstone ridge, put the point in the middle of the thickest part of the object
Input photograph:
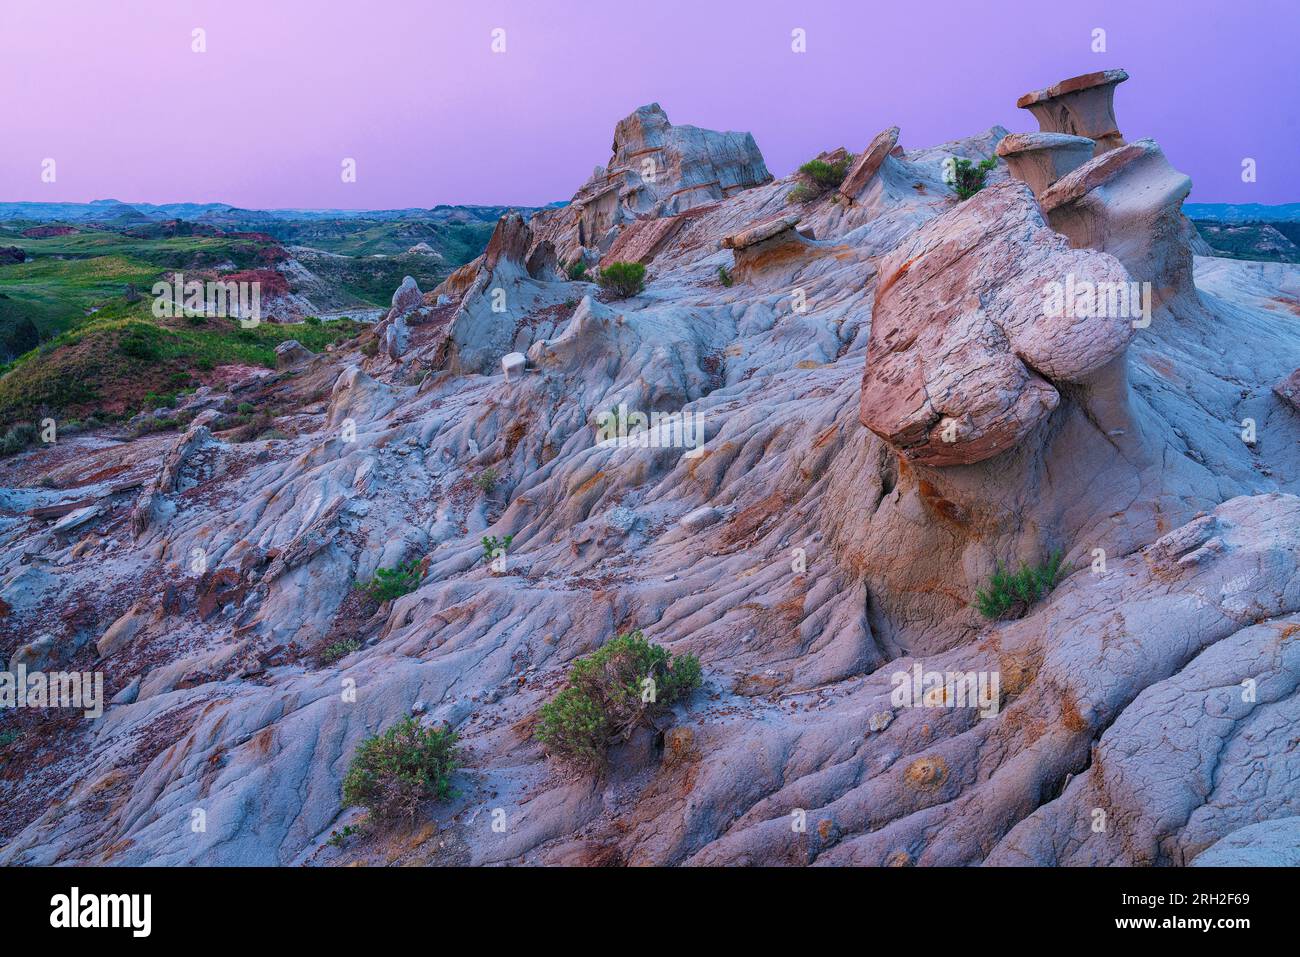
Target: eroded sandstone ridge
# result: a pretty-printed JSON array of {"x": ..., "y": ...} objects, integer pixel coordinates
[{"x": 1021, "y": 394}]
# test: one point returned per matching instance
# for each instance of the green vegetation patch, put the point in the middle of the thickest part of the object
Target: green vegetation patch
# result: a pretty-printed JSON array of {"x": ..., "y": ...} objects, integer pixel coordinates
[
  {"x": 393, "y": 772},
  {"x": 608, "y": 694},
  {"x": 1010, "y": 594},
  {"x": 390, "y": 583},
  {"x": 622, "y": 279}
]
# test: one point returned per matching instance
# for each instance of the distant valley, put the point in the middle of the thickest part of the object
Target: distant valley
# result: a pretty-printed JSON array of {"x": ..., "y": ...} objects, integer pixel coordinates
[{"x": 75, "y": 281}]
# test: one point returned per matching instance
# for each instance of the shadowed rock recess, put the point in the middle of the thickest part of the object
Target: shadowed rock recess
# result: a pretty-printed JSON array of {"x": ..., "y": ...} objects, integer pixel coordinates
[{"x": 887, "y": 392}]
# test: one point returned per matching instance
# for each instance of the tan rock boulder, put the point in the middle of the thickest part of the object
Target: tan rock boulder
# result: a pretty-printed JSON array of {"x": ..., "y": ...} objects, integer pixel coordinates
[
  {"x": 868, "y": 163},
  {"x": 1040, "y": 159},
  {"x": 965, "y": 354},
  {"x": 766, "y": 245}
]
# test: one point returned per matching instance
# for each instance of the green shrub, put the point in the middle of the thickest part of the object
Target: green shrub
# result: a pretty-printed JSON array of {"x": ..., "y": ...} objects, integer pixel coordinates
[
  {"x": 622, "y": 279},
  {"x": 340, "y": 649},
  {"x": 390, "y": 583},
  {"x": 138, "y": 346},
  {"x": 19, "y": 437},
  {"x": 724, "y": 276},
  {"x": 577, "y": 270},
  {"x": 391, "y": 773},
  {"x": 9, "y": 737},
  {"x": 370, "y": 348},
  {"x": 827, "y": 175},
  {"x": 245, "y": 408},
  {"x": 818, "y": 177},
  {"x": 312, "y": 320},
  {"x": 1010, "y": 594},
  {"x": 967, "y": 179},
  {"x": 338, "y": 838},
  {"x": 486, "y": 480},
  {"x": 492, "y": 545},
  {"x": 604, "y": 698}
]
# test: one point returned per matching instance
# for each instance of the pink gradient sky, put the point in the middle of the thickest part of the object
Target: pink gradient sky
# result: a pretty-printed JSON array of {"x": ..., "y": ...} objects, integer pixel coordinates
[{"x": 411, "y": 90}]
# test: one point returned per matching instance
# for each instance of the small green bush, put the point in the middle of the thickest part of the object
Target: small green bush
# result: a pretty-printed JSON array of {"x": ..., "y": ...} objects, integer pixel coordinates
[
  {"x": 245, "y": 408},
  {"x": 340, "y": 649},
  {"x": 312, "y": 320},
  {"x": 492, "y": 545},
  {"x": 604, "y": 698},
  {"x": 390, "y": 583},
  {"x": 9, "y": 737},
  {"x": 969, "y": 179},
  {"x": 137, "y": 346},
  {"x": 486, "y": 480},
  {"x": 391, "y": 773},
  {"x": 338, "y": 838},
  {"x": 827, "y": 175},
  {"x": 19, "y": 437},
  {"x": 818, "y": 177},
  {"x": 577, "y": 270},
  {"x": 622, "y": 279},
  {"x": 1010, "y": 594},
  {"x": 724, "y": 276}
]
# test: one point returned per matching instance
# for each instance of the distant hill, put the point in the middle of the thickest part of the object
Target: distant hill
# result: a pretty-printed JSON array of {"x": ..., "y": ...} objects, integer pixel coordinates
[
  {"x": 115, "y": 211},
  {"x": 1241, "y": 212}
]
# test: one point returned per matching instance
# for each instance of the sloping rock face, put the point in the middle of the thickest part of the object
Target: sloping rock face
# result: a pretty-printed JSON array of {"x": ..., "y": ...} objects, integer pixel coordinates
[
  {"x": 868, "y": 163},
  {"x": 814, "y": 565}
]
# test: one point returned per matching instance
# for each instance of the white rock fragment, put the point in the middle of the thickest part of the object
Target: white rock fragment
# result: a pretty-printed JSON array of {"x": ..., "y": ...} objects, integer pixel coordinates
[
  {"x": 699, "y": 519},
  {"x": 513, "y": 362}
]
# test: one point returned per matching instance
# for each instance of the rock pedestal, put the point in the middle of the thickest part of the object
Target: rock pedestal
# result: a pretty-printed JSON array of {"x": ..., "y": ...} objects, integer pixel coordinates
[
  {"x": 1040, "y": 159},
  {"x": 1082, "y": 105}
]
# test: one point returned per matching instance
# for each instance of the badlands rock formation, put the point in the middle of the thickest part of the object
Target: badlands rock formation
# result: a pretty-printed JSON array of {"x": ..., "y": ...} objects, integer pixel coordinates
[{"x": 896, "y": 392}]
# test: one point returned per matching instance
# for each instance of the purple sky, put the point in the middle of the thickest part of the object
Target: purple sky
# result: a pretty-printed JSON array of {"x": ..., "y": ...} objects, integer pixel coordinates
[{"x": 412, "y": 91}]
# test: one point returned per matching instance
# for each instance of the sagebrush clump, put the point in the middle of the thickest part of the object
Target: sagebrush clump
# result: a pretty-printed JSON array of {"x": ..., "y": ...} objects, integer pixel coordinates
[
  {"x": 393, "y": 772},
  {"x": 1010, "y": 594},
  {"x": 390, "y": 583},
  {"x": 609, "y": 693},
  {"x": 817, "y": 177},
  {"x": 340, "y": 649},
  {"x": 622, "y": 279}
]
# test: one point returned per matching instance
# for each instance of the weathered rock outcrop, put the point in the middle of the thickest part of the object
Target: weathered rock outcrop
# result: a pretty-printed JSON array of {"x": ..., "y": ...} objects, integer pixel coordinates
[
  {"x": 966, "y": 353},
  {"x": 1128, "y": 202},
  {"x": 1040, "y": 159},
  {"x": 1082, "y": 106},
  {"x": 656, "y": 170},
  {"x": 768, "y": 245},
  {"x": 868, "y": 163}
]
